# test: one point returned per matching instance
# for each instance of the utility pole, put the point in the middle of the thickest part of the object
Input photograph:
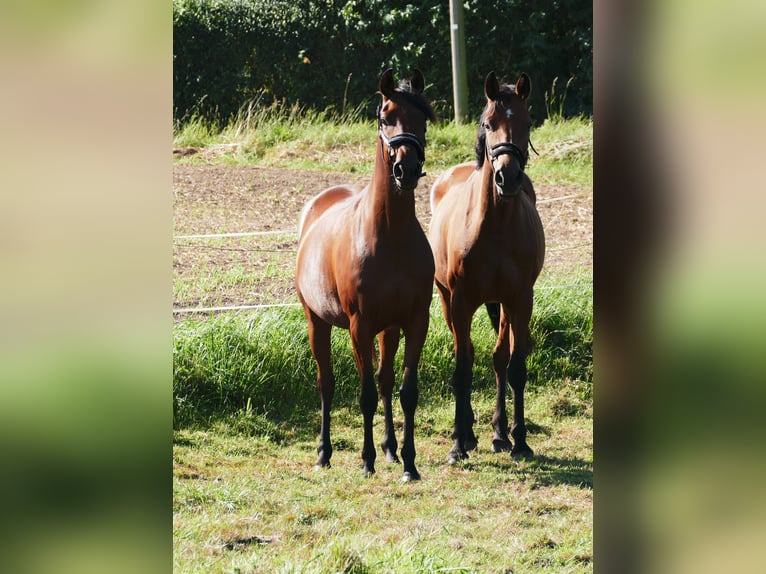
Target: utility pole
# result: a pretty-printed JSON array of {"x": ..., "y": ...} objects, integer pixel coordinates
[{"x": 459, "y": 81}]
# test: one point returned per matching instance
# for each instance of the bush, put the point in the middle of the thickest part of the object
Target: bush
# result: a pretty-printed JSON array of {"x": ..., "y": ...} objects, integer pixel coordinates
[{"x": 330, "y": 53}]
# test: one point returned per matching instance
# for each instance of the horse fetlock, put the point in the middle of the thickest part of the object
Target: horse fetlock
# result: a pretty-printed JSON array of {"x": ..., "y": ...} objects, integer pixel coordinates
[{"x": 368, "y": 456}]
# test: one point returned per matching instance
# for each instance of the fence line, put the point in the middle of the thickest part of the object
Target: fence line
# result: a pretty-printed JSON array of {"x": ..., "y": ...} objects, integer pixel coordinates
[
  {"x": 241, "y": 249},
  {"x": 180, "y": 310},
  {"x": 242, "y": 234},
  {"x": 562, "y": 198},
  {"x": 295, "y": 231}
]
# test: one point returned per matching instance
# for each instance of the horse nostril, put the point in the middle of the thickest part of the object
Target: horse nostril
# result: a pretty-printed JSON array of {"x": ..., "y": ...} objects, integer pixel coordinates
[
  {"x": 398, "y": 171},
  {"x": 499, "y": 179}
]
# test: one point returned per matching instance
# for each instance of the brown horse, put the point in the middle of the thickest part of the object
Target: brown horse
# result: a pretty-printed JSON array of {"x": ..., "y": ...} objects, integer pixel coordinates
[
  {"x": 364, "y": 264},
  {"x": 488, "y": 246}
]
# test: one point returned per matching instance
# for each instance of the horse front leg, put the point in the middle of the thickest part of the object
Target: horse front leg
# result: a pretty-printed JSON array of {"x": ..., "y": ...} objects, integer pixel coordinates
[
  {"x": 461, "y": 383},
  {"x": 319, "y": 340},
  {"x": 500, "y": 357},
  {"x": 389, "y": 343},
  {"x": 517, "y": 373},
  {"x": 362, "y": 342},
  {"x": 415, "y": 338}
]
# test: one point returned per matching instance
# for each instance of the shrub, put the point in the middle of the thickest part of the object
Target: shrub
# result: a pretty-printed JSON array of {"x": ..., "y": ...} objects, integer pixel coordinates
[{"x": 329, "y": 53}]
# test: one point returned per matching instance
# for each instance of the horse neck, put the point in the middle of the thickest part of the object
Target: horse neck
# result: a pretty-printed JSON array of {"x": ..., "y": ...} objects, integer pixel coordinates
[
  {"x": 386, "y": 206},
  {"x": 486, "y": 208}
]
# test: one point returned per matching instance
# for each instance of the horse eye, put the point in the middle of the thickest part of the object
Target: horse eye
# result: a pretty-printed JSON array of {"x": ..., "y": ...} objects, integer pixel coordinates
[
  {"x": 383, "y": 121},
  {"x": 486, "y": 126}
]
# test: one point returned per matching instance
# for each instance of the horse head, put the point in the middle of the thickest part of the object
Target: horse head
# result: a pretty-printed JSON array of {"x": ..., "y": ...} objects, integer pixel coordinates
[
  {"x": 503, "y": 136},
  {"x": 402, "y": 116}
]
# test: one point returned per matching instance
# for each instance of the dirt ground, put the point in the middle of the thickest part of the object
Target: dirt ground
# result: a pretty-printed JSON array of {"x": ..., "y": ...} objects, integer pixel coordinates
[{"x": 212, "y": 199}]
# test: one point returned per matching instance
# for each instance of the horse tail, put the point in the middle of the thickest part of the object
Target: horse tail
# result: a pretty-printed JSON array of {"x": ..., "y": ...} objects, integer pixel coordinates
[{"x": 493, "y": 310}]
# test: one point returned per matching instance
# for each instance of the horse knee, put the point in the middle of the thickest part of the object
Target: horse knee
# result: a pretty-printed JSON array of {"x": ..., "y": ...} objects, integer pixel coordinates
[
  {"x": 408, "y": 396},
  {"x": 517, "y": 372}
]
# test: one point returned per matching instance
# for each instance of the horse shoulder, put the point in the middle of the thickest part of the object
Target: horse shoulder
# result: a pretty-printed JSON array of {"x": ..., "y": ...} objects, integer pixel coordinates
[
  {"x": 320, "y": 203},
  {"x": 455, "y": 175}
]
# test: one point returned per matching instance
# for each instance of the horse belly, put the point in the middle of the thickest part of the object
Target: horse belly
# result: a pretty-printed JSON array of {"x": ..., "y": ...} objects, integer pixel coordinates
[
  {"x": 321, "y": 297},
  {"x": 315, "y": 280}
]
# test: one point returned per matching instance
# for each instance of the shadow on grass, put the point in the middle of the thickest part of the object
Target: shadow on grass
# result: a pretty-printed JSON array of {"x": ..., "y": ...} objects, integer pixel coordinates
[
  {"x": 548, "y": 471},
  {"x": 539, "y": 471}
]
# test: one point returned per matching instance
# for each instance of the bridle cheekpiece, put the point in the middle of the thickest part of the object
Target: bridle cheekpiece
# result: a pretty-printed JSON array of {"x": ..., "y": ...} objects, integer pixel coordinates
[{"x": 401, "y": 139}]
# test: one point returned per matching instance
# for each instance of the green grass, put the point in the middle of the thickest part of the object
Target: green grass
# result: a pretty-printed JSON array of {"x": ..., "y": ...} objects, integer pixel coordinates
[
  {"x": 294, "y": 137},
  {"x": 247, "y": 503},
  {"x": 246, "y": 408},
  {"x": 262, "y": 359}
]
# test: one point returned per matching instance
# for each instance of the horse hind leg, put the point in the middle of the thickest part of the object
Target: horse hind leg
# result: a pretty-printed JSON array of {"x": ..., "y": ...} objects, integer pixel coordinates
[
  {"x": 500, "y": 359},
  {"x": 517, "y": 375},
  {"x": 319, "y": 339},
  {"x": 389, "y": 343}
]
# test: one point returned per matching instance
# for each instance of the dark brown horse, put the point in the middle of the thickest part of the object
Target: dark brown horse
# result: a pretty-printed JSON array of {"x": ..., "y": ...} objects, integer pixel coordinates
[
  {"x": 364, "y": 264},
  {"x": 488, "y": 246}
]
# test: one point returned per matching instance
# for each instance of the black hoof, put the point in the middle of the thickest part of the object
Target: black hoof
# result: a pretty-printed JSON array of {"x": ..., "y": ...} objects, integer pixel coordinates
[
  {"x": 390, "y": 456},
  {"x": 522, "y": 451},
  {"x": 320, "y": 465},
  {"x": 409, "y": 476},
  {"x": 455, "y": 457},
  {"x": 501, "y": 445},
  {"x": 390, "y": 451},
  {"x": 368, "y": 472}
]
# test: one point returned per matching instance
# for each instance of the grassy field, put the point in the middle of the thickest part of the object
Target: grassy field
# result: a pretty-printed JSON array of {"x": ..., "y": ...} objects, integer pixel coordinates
[
  {"x": 246, "y": 419},
  {"x": 304, "y": 139}
]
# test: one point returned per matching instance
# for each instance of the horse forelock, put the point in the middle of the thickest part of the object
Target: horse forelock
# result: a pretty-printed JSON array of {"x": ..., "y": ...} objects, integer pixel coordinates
[{"x": 416, "y": 99}]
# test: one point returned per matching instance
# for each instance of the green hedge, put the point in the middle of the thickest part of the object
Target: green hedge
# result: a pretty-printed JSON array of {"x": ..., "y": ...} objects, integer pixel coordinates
[{"x": 330, "y": 53}]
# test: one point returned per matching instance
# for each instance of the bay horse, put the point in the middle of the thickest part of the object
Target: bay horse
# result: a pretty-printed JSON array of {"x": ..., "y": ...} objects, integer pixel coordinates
[
  {"x": 364, "y": 264},
  {"x": 488, "y": 245}
]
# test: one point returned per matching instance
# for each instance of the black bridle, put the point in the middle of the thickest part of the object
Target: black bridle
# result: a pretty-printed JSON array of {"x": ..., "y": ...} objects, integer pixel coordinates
[
  {"x": 401, "y": 139},
  {"x": 508, "y": 148}
]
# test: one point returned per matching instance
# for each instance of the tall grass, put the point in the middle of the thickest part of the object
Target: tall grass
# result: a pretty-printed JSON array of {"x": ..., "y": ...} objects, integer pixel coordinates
[
  {"x": 260, "y": 363},
  {"x": 300, "y": 138}
]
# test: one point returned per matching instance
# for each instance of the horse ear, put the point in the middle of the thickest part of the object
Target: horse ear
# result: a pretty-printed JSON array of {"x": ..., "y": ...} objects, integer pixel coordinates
[
  {"x": 523, "y": 86},
  {"x": 491, "y": 86},
  {"x": 417, "y": 81},
  {"x": 387, "y": 85}
]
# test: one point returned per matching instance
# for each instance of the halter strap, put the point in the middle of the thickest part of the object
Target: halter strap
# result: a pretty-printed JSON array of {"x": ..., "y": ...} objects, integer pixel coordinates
[
  {"x": 401, "y": 139},
  {"x": 404, "y": 139},
  {"x": 508, "y": 148}
]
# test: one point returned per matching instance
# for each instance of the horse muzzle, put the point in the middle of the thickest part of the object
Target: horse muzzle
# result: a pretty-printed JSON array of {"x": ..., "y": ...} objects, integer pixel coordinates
[
  {"x": 508, "y": 185},
  {"x": 510, "y": 175},
  {"x": 405, "y": 169},
  {"x": 406, "y": 174}
]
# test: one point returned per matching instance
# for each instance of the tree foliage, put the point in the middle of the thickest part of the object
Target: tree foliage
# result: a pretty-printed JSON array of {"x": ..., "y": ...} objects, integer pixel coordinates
[{"x": 330, "y": 53}]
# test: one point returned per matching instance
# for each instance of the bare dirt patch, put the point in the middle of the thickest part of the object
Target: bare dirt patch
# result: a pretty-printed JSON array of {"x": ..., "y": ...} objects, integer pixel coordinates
[{"x": 213, "y": 199}]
